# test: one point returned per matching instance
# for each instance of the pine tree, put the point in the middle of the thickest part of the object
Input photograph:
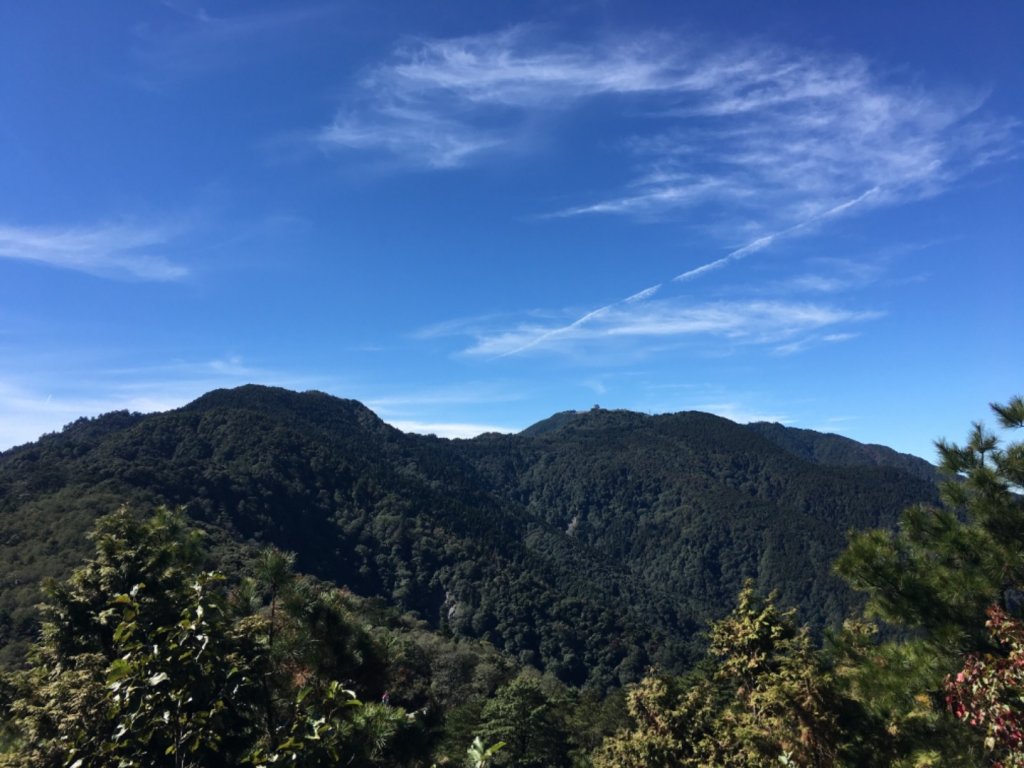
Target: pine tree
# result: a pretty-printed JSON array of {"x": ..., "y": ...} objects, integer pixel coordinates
[{"x": 931, "y": 584}]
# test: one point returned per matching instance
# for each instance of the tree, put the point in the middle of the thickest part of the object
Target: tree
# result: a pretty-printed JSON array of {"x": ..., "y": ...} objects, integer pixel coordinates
[
  {"x": 988, "y": 693},
  {"x": 784, "y": 705},
  {"x": 148, "y": 660},
  {"x": 671, "y": 719},
  {"x": 529, "y": 722},
  {"x": 932, "y": 584},
  {"x": 139, "y": 663},
  {"x": 480, "y": 755},
  {"x": 764, "y": 698}
]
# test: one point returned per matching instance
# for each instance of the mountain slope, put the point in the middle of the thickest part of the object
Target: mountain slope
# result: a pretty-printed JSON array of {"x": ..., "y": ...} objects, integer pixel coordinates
[
  {"x": 839, "y": 451},
  {"x": 693, "y": 503},
  {"x": 594, "y": 546}
]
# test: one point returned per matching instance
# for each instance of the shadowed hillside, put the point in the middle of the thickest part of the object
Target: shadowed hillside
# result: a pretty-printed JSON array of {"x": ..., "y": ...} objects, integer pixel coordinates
[{"x": 591, "y": 544}]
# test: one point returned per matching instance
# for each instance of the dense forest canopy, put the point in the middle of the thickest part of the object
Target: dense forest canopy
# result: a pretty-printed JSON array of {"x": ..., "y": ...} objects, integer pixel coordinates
[
  {"x": 591, "y": 545},
  {"x": 183, "y": 640}
]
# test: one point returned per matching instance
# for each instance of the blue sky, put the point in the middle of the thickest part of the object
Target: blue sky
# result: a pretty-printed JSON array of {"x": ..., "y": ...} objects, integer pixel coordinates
[{"x": 472, "y": 215}]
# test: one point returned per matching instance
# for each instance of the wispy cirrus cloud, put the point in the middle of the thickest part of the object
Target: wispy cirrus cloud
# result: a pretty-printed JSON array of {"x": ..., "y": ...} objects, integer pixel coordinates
[
  {"x": 442, "y": 103},
  {"x": 421, "y": 136},
  {"x": 793, "y": 347},
  {"x": 103, "y": 250},
  {"x": 762, "y": 242},
  {"x": 759, "y": 139},
  {"x": 819, "y": 283},
  {"x": 837, "y": 277},
  {"x": 756, "y": 322},
  {"x": 784, "y": 133}
]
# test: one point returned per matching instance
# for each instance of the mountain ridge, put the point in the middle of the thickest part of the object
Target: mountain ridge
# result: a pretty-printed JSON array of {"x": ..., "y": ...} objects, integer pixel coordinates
[{"x": 593, "y": 548}]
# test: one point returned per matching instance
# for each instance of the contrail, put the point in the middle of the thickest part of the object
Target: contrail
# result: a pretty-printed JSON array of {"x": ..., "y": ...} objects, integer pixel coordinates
[
  {"x": 646, "y": 293},
  {"x": 743, "y": 251},
  {"x": 763, "y": 242},
  {"x": 638, "y": 296},
  {"x": 560, "y": 331},
  {"x": 697, "y": 271}
]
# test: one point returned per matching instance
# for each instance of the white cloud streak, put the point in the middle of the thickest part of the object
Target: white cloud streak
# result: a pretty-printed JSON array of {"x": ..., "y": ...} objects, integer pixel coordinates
[
  {"x": 766, "y": 240},
  {"x": 800, "y": 345},
  {"x": 423, "y": 137},
  {"x": 756, "y": 134},
  {"x": 782, "y": 132},
  {"x": 574, "y": 330},
  {"x": 107, "y": 251},
  {"x": 744, "y": 322},
  {"x": 646, "y": 293}
]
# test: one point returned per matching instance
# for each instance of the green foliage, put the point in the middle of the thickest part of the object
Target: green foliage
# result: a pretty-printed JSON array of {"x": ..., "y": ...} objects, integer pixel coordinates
[
  {"x": 174, "y": 692},
  {"x": 591, "y": 549},
  {"x": 480, "y": 755},
  {"x": 839, "y": 451},
  {"x": 767, "y": 700},
  {"x": 931, "y": 583},
  {"x": 530, "y": 722},
  {"x": 988, "y": 692},
  {"x": 784, "y": 706},
  {"x": 589, "y": 546},
  {"x": 944, "y": 566},
  {"x": 139, "y": 663},
  {"x": 146, "y": 660},
  {"x": 669, "y": 721}
]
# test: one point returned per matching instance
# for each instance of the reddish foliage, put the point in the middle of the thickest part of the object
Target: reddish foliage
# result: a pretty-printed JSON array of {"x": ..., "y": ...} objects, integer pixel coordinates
[{"x": 988, "y": 693}]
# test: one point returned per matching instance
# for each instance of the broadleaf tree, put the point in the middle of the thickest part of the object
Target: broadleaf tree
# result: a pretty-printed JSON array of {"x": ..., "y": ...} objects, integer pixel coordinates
[{"x": 146, "y": 660}]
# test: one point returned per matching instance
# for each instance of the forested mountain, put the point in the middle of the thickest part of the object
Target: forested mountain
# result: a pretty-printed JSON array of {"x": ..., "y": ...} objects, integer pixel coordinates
[
  {"x": 592, "y": 544},
  {"x": 840, "y": 451}
]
